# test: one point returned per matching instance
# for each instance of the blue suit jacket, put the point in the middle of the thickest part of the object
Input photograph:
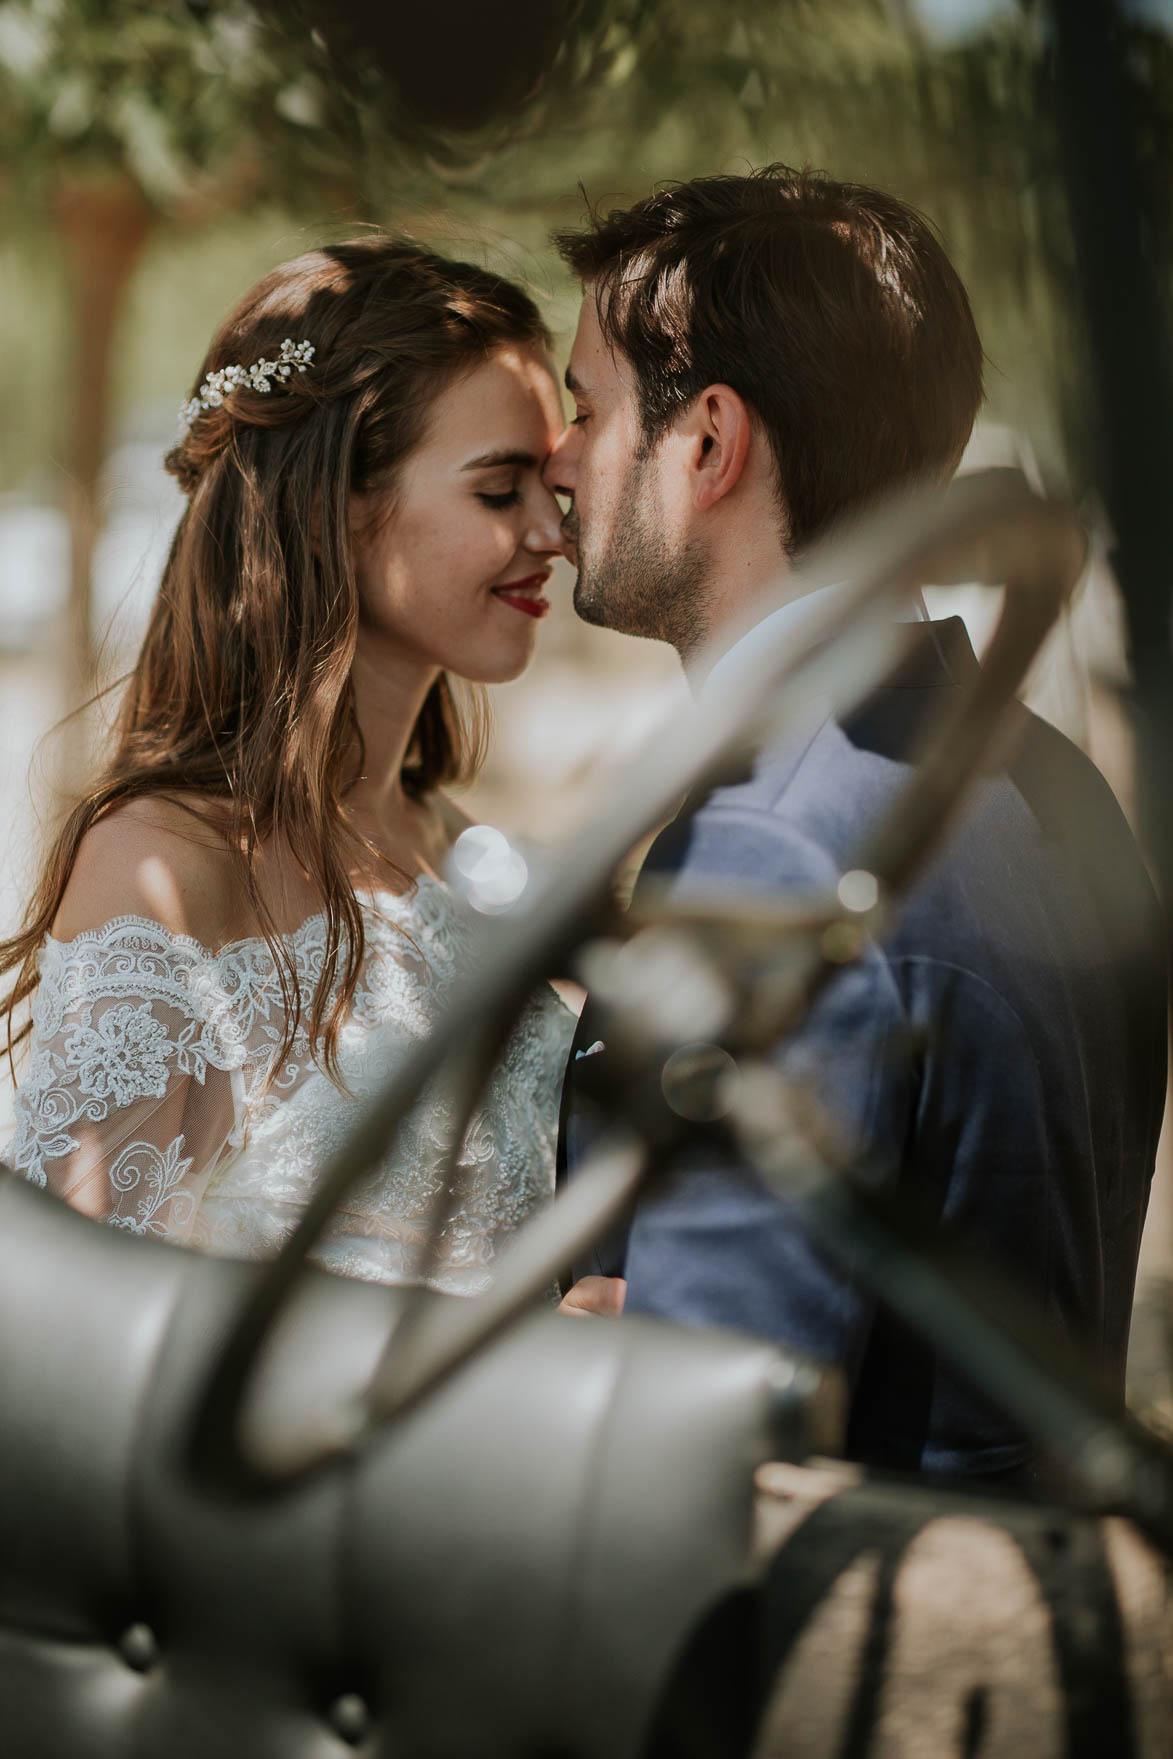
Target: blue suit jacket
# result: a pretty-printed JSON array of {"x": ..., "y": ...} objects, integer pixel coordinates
[{"x": 1004, "y": 1049}]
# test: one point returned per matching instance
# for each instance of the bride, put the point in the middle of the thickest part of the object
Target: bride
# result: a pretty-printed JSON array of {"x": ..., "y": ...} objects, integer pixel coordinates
[{"x": 245, "y": 917}]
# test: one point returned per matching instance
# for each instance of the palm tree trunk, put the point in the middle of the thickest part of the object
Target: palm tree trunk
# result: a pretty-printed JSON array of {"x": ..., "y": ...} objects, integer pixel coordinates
[{"x": 103, "y": 227}]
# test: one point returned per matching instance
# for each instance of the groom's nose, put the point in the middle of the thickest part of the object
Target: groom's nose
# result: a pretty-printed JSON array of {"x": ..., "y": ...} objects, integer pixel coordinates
[{"x": 560, "y": 470}]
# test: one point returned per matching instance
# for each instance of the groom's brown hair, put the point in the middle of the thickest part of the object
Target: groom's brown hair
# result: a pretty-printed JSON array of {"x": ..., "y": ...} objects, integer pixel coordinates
[{"x": 832, "y": 309}]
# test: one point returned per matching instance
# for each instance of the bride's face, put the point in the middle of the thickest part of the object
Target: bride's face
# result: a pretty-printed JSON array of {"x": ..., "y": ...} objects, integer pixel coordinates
[{"x": 452, "y": 563}]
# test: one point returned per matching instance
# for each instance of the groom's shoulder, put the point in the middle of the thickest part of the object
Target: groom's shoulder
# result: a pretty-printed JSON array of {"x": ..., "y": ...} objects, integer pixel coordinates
[
  {"x": 795, "y": 813},
  {"x": 769, "y": 827}
]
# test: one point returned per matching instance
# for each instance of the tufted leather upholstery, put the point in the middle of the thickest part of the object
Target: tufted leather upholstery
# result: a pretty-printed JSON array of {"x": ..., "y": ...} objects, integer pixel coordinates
[{"x": 509, "y": 1572}]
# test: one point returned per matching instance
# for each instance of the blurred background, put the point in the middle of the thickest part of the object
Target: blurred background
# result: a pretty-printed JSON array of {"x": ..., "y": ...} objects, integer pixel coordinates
[{"x": 157, "y": 156}]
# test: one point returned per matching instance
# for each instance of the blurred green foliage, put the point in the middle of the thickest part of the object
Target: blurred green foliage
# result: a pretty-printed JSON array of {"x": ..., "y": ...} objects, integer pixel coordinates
[
  {"x": 193, "y": 107},
  {"x": 249, "y": 139}
]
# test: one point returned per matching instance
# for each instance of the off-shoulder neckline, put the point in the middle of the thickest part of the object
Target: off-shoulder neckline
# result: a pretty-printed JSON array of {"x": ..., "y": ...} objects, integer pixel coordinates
[{"x": 380, "y": 902}]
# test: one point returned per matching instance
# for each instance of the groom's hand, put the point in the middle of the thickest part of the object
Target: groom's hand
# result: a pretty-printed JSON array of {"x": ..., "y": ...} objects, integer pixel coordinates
[{"x": 595, "y": 1294}]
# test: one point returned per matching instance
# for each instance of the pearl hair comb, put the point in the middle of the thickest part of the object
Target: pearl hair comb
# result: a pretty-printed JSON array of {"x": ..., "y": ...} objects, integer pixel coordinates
[{"x": 293, "y": 356}]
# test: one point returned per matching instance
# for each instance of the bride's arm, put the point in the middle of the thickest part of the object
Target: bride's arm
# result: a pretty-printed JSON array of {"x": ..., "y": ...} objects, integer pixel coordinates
[
  {"x": 158, "y": 858},
  {"x": 595, "y": 1294},
  {"x": 127, "y": 1097}
]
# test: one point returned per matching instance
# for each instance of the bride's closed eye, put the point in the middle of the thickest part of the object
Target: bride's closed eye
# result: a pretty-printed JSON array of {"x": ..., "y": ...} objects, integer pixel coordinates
[{"x": 499, "y": 502}]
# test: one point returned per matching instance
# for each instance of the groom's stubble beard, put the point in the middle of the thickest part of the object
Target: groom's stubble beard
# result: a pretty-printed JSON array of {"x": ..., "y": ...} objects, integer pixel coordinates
[{"x": 640, "y": 583}]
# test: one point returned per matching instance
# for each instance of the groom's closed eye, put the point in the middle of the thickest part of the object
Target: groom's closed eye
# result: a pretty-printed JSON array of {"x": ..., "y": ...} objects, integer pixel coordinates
[{"x": 578, "y": 391}]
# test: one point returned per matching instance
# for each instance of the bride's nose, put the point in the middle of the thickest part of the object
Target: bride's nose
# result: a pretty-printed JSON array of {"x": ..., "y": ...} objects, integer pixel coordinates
[{"x": 543, "y": 536}]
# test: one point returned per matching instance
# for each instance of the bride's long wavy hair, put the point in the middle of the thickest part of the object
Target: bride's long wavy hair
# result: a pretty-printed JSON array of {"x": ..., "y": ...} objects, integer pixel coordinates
[{"x": 241, "y": 694}]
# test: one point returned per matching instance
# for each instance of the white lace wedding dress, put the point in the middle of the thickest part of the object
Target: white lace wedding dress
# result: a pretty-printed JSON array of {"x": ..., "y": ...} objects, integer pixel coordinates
[{"x": 150, "y": 1097}]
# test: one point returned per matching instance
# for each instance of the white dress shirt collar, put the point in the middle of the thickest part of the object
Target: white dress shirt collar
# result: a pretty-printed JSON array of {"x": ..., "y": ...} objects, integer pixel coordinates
[{"x": 788, "y": 619}]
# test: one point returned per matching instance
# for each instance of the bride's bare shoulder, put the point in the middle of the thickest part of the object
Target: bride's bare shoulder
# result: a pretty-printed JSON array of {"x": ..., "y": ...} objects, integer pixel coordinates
[{"x": 162, "y": 858}]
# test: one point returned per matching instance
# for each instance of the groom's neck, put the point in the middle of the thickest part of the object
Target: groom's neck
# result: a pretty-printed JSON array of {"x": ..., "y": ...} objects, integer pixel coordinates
[{"x": 747, "y": 580}]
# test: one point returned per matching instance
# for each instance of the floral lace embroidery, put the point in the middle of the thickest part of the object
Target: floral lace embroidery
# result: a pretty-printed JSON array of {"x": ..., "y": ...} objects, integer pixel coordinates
[
  {"x": 124, "y": 1059},
  {"x": 152, "y": 1092},
  {"x": 157, "y": 1177}
]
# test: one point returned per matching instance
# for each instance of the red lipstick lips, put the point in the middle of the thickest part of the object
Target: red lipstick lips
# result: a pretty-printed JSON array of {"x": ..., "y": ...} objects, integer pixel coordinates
[{"x": 524, "y": 595}]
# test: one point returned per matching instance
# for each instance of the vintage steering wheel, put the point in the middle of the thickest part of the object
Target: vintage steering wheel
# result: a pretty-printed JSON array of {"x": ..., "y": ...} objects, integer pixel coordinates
[{"x": 990, "y": 528}]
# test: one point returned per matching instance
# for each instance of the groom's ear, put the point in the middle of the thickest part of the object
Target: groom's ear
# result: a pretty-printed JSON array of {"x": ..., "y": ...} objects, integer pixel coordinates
[{"x": 720, "y": 428}]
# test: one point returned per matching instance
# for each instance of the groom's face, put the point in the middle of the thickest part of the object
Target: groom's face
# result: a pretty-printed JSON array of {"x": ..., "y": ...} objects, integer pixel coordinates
[{"x": 640, "y": 566}]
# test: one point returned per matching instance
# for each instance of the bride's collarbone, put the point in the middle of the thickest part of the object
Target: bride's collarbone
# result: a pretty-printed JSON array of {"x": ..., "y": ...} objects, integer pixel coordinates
[
  {"x": 168, "y": 860},
  {"x": 400, "y": 847}
]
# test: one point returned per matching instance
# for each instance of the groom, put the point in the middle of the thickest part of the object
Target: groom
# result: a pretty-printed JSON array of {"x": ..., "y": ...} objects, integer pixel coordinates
[{"x": 757, "y": 355}]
